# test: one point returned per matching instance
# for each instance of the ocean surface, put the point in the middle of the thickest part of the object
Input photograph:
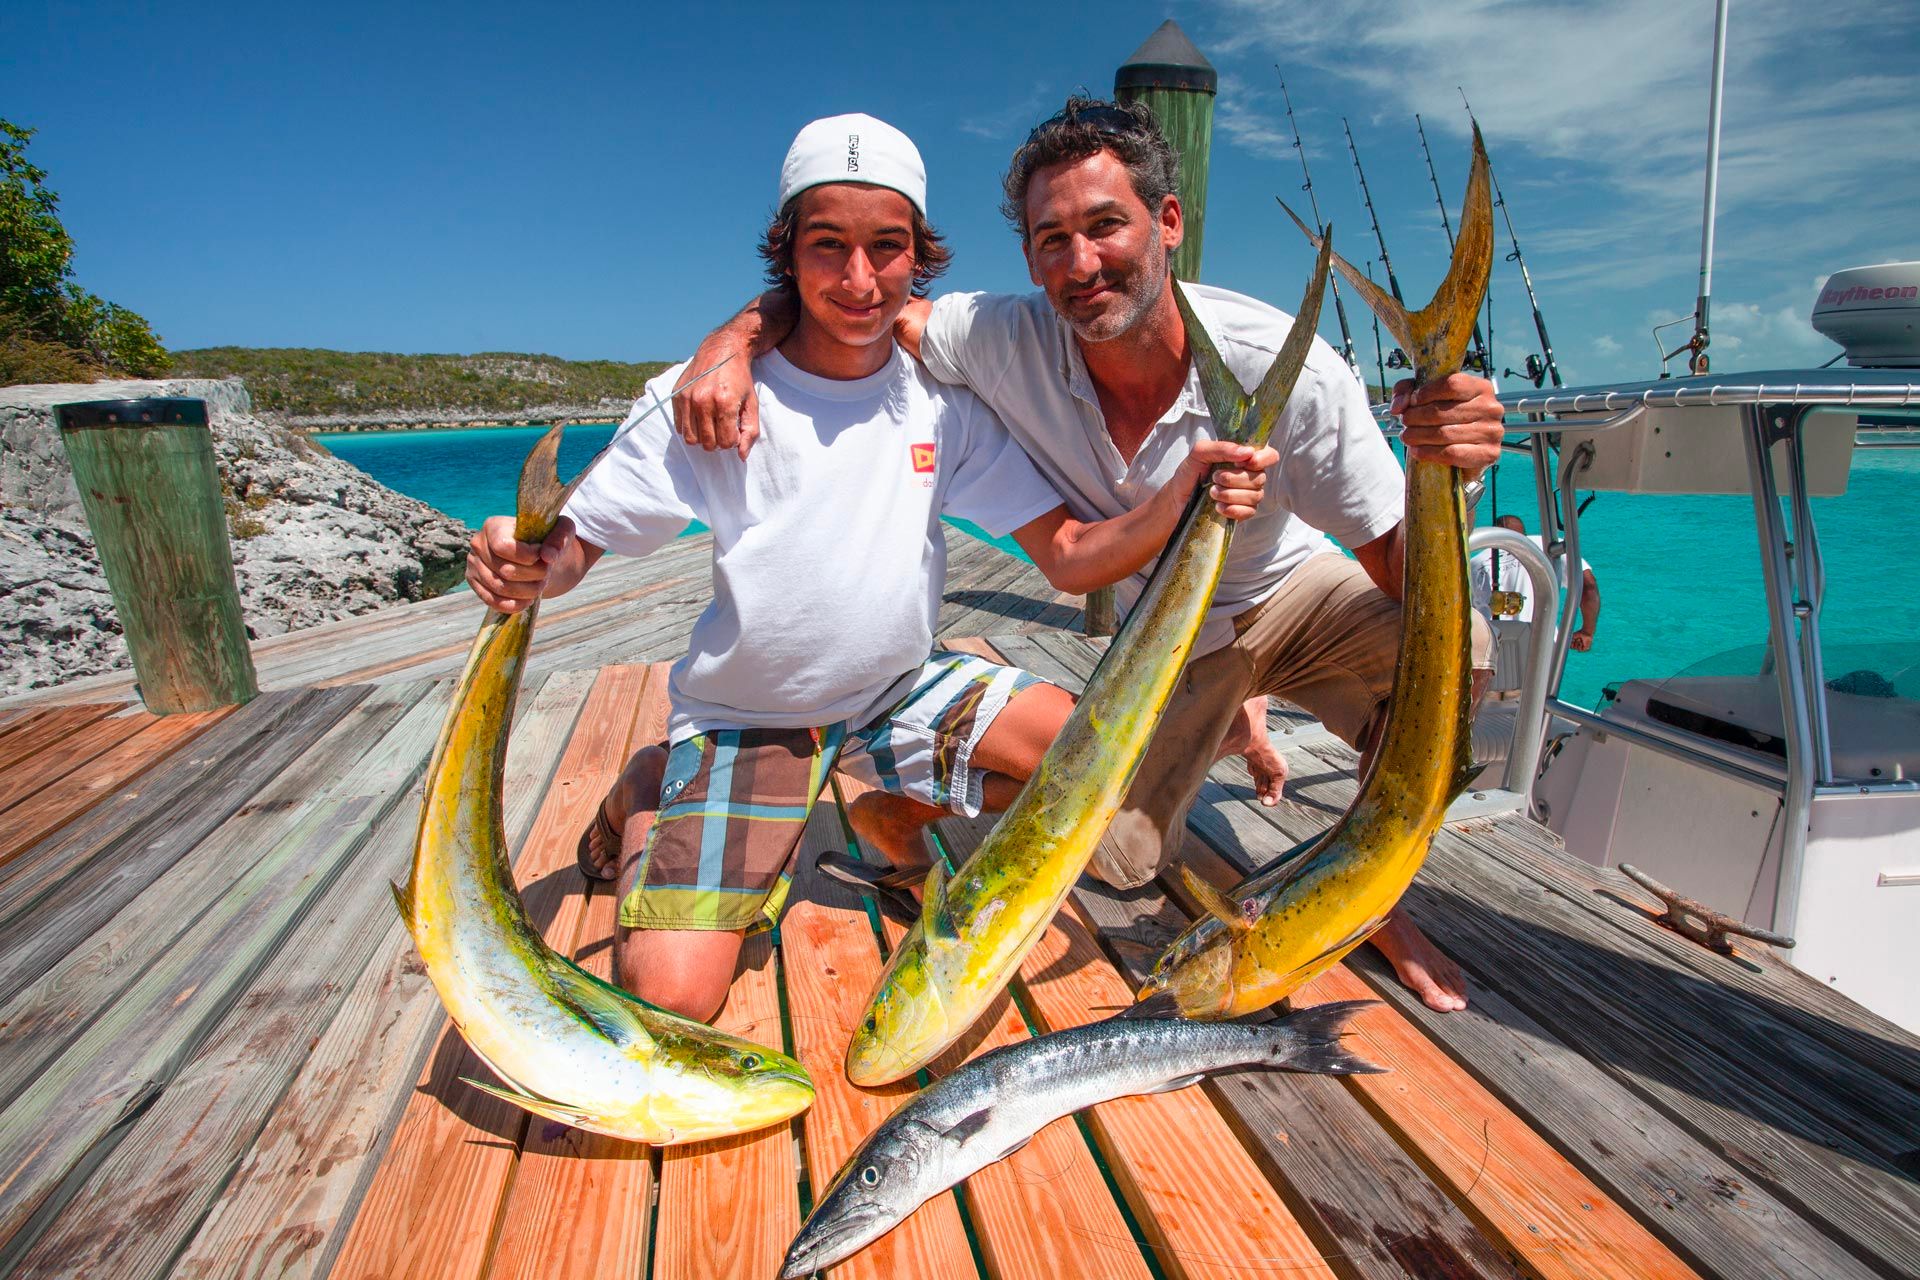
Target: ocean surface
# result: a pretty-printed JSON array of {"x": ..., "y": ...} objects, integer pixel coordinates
[{"x": 1679, "y": 577}]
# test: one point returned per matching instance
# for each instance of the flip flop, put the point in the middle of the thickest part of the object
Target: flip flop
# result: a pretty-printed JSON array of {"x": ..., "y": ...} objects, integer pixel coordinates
[
  {"x": 890, "y": 889},
  {"x": 609, "y": 838}
]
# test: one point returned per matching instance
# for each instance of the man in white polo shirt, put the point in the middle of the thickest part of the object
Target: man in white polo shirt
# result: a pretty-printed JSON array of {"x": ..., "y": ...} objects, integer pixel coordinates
[
  {"x": 1093, "y": 378},
  {"x": 829, "y": 563}
]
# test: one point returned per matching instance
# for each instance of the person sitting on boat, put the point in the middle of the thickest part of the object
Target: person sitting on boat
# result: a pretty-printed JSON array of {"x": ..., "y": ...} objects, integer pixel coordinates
[
  {"x": 1514, "y": 580},
  {"x": 828, "y": 570},
  {"x": 1092, "y": 377}
]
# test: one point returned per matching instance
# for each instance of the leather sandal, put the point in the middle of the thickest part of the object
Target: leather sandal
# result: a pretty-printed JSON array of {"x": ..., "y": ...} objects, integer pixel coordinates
[{"x": 609, "y": 839}]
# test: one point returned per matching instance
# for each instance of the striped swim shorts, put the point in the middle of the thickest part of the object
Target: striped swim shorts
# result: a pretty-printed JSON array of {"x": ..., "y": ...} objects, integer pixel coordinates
[{"x": 733, "y": 802}]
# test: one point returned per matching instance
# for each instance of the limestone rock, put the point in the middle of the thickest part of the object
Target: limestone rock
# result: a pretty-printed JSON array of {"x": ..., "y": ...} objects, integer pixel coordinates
[{"x": 314, "y": 538}]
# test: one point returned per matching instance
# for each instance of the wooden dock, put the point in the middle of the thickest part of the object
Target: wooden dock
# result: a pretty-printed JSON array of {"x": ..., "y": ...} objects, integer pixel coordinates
[{"x": 219, "y": 1056}]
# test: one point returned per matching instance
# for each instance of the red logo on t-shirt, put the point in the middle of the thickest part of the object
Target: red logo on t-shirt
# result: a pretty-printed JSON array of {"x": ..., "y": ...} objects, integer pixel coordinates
[{"x": 923, "y": 455}]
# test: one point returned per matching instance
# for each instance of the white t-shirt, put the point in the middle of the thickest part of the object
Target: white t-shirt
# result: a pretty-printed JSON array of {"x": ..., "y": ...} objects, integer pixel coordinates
[
  {"x": 1336, "y": 472},
  {"x": 1513, "y": 577},
  {"x": 828, "y": 554}
]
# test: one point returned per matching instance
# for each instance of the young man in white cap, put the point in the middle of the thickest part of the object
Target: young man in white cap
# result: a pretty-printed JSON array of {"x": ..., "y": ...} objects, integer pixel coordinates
[{"x": 828, "y": 570}]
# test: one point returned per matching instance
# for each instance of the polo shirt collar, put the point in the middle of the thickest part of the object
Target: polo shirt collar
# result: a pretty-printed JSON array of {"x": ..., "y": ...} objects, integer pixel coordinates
[{"x": 1072, "y": 368}]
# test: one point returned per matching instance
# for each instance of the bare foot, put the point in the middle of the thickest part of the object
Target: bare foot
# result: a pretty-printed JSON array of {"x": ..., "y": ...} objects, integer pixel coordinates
[
  {"x": 1422, "y": 967},
  {"x": 893, "y": 825},
  {"x": 637, "y": 788},
  {"x": 1247, "y": 736}
]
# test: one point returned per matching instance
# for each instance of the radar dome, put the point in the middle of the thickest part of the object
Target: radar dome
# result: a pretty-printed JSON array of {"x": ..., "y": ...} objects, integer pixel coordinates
[{"x": 1874, "y": 313}]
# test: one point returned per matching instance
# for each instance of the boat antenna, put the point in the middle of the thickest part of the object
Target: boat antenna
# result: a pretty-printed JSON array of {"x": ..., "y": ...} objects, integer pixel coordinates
[
  {"x": 1537, "y": 369},
  {"x": 1481, "y": 357},
  {"x": 1398, "y": 360},
  {"x": 1698, "y": 364},
  {"x": 1339, "y": 307}
]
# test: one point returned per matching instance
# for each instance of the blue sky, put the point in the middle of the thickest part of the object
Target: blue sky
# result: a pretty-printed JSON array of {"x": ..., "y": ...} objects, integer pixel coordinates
[{"x": 589, "y": 180}]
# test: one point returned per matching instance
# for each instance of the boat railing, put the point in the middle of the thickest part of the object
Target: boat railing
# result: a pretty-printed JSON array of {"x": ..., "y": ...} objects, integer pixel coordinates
[{"x": 1530, "y": 719}]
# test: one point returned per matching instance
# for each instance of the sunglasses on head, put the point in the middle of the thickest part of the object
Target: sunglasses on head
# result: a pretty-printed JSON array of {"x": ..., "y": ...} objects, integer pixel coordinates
[{"x": 1102, "y": 119}]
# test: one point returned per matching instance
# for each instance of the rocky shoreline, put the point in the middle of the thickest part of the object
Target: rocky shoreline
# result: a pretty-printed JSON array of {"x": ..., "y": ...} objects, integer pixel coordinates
[{"x": 314, "y": 538}]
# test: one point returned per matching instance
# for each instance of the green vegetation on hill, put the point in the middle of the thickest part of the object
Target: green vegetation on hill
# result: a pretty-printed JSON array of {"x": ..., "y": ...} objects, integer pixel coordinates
[
  {"x": 302, "y": 382},
  {"x": 52, "y": 330}
]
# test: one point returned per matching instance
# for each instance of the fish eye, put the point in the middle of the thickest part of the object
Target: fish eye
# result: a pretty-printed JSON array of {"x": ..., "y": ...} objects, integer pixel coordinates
[
  {"x": 749, "y": 1062},
  {"x": 870, "y": 1176},
  {"x": 871, "y": 1025}
]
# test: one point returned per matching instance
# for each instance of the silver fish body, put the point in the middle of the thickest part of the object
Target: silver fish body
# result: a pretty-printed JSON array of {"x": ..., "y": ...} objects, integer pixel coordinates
[{"x": 992, "y": 1106}]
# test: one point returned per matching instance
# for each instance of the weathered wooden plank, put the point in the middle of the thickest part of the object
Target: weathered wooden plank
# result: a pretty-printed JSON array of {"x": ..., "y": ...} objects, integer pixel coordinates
[
  {"x": 45, "y": 812},
  {"x": 580, "y": 1202},
  {"x": 1171, "y": 1154},
  {"x": 146, "y": 1198},
  {"x": 831, "y": 960},
  {"x": 1370, "y": 1209},
  {"x": 81, "y": 1103},
  {"x": 42, "y": 768},
  {"x": 1045, "y": 1210},
  {"x": 71, "y": 959},
  {"x": 285, "y": 1211},
  {"x": 433, "y": 1205},
  {"x": 127, "y": 839},
  {"x": 1708, "y": 1210},
  {"x": 46, "y": 729},
  {"x": 732, "y": 1206}
]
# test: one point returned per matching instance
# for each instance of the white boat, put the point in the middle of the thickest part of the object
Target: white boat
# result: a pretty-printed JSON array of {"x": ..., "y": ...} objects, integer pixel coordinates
[{"x": 1783, "y": 797}]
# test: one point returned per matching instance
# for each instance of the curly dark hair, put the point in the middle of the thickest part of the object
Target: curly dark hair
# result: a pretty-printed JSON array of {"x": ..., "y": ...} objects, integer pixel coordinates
[
  {"x": 930, "y": 253},
  {"x": 1086, "y": 127}
]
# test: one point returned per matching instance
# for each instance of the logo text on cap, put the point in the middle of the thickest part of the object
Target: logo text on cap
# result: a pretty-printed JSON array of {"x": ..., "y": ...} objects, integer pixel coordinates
[{"x": 853, "y": 153}]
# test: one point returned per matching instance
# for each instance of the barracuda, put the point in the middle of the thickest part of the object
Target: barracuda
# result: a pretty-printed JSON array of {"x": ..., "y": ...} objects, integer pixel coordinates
[
  {"x": 988, "y": 1109},
  {"x": 570, "y": 1047},
  {"x": 1265, "y": 938},
  {"x": 975, "y": 929}
]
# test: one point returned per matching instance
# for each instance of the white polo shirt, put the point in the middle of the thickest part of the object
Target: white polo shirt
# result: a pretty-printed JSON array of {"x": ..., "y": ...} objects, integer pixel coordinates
[
  {"x": 829, "y": 558},
  {"x": 1514, "y": 577},
  {"x": 1335, "y": 473}
]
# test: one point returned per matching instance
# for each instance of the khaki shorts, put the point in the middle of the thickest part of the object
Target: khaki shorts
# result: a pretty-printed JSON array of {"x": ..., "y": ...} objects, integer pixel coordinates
[{"x": 1325, "y": 641}]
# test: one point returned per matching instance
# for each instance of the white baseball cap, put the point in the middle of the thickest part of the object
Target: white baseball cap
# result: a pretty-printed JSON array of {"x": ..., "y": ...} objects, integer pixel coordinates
[{"x": 853, "y": 148}]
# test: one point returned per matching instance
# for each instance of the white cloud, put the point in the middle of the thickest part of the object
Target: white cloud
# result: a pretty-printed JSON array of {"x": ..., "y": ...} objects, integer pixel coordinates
[{"x": 1607, "y": 345}]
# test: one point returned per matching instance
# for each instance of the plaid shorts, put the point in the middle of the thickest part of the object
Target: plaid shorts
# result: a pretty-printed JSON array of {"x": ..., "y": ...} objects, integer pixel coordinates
[{"x": 733, "y": 802}]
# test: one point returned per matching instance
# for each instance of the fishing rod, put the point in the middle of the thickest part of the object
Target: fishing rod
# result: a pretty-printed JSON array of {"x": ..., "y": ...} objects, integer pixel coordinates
[
  {"x": 1535, "y": 369},
  {"x": 1398, "y": 360},
  {"x": 1379, "y": 352},
  {"x": 1339, "y": 307},
  {"x": 1482, "y": 356}
]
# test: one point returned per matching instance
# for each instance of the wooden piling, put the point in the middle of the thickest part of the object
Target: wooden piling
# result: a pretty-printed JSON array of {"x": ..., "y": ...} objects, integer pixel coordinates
[
  {"x": 1177, "y": 83},
  {"x": 146, "y": 475}
]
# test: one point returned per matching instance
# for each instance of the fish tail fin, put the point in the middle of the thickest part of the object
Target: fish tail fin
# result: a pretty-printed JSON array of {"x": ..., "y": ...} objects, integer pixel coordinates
[
  {"x": 1378, "y": 300},
  {"x": 1310, "y": 1040},
  {"x": 1227, "y": 401},
  {"x": 541, "y": 493},
  {"x": 1444, "y": 327},
  {"x": 403, "y": 899}
]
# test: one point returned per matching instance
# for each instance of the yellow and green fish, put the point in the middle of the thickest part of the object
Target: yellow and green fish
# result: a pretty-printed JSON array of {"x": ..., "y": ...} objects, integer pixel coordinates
[
  {"x": 975, "y": 928},
  {"x": 570, "y": 1046},
  {"x": 1275, "y": 931}
]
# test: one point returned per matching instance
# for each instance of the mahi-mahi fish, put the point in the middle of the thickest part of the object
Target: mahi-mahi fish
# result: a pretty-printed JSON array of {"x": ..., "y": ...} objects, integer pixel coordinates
[
  {"x": 975, "y": 928},
  {"x": 988, "y": 1109},
  {"x": 1262, "y": 940},
  {"x": 570, "y": 1047}
]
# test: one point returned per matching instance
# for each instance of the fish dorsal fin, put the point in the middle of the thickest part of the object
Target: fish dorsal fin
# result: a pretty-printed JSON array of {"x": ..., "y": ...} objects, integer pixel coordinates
[
  {"x": 1161, "y": 1004},
  {"x": 603, "y": 1006},
  {"x": 934, "y": 908},
  {"x": 1216, "y": 904},
  {"x": 403, "y": 899},
  {"x": 1435, "y": 337}
]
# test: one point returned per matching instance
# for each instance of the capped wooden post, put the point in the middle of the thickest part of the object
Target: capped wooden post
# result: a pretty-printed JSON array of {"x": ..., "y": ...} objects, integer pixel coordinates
[
  {"x": 147, "y": 479},
  {"x": 1177, "y": 84}
]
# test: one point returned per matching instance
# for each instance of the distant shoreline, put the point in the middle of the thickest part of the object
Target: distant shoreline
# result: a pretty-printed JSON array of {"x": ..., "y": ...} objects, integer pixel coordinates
[{"x": 588, "y": 418}]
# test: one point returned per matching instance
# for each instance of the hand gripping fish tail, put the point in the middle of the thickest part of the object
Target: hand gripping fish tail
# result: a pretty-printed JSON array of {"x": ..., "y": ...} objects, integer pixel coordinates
[
  {"x": 568, "y": 1045},
  {"x": 1263, "y": 939},
  {"x": 974, "y": 929}
]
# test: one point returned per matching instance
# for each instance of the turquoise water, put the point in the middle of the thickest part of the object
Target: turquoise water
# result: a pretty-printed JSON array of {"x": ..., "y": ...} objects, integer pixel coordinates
[{"x": 1679, "y": 576}]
